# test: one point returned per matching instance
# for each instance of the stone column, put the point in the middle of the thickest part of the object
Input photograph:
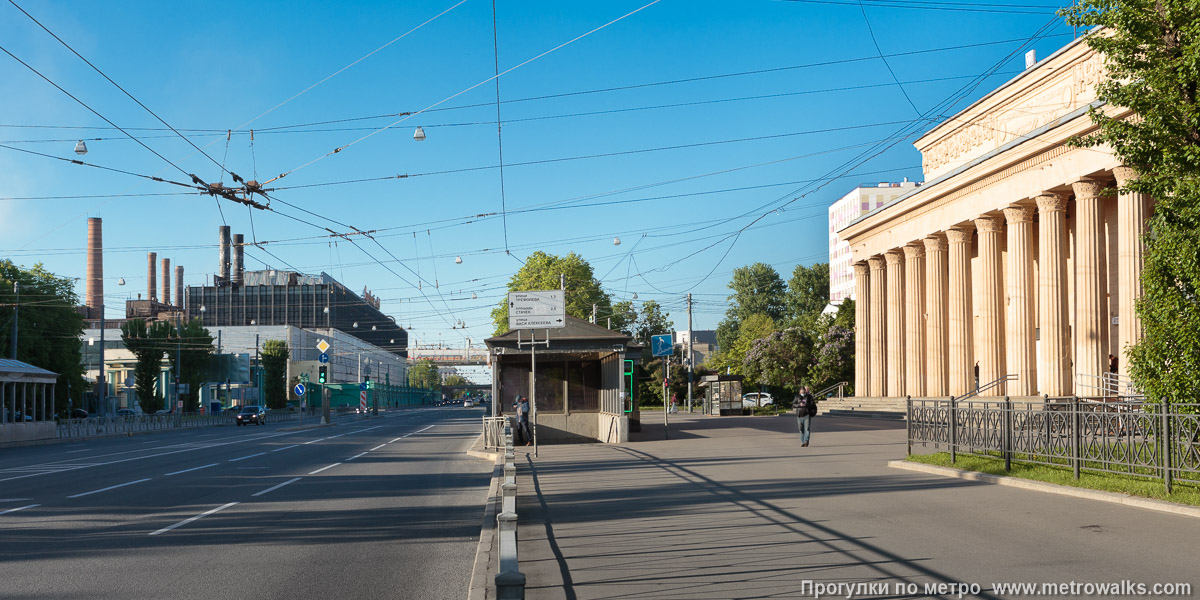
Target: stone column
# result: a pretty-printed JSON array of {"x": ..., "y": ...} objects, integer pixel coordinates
[
  {"x": 1052, "y": 295},
  {"x": 862, "y": 330},
  {"x": 914, "y": 319},
  {"x": 878, "y": 369},
  {"x": 1091, "y": 330},
  {"x": 1132, "y": 210},
  {"x": 1022, "y": 345},
  {"x": 992, "y": 364},
  {"x": 936, "y": 383},
  {"x": 960, "y": 334},
  {"x": 895, "y": 322}
]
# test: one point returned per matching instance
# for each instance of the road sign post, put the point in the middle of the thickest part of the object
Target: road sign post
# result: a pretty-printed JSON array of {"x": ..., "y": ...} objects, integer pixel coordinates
[
  {"x": 664, "y": 346},
  {"x": 323, "y": 347},
  {"x": 541, "y": 310}
]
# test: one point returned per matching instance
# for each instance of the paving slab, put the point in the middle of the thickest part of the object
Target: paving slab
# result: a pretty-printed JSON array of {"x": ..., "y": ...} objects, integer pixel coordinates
[{"x": 733, "y": 507}]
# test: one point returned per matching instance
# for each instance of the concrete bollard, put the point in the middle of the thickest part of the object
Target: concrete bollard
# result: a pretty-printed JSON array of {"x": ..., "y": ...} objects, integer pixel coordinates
[
  {"x": 510, "y": 473},
  {"x": 509, "y": 494},
  {"x": 510, "y": 456},
  {"x": 510, "y": 585}
]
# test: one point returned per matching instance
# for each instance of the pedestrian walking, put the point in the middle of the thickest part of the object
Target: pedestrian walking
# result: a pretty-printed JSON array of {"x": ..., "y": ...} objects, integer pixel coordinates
[
  {"x": 523, "y": 421},
  {"x": 806, "y": 409}
]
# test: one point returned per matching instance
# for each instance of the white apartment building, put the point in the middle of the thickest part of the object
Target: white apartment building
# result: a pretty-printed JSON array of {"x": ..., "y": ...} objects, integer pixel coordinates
[{"x": 860, "y": 201}]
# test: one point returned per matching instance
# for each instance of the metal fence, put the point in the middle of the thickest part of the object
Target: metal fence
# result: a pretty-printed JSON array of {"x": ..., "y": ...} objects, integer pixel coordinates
[
  {"x": 1114, "y": 435},
  {"x": 493, "y": 432},
  {"x": 105, "y": 426}
]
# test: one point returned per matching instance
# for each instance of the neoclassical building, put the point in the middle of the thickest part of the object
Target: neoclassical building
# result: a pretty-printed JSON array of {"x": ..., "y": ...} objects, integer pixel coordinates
[{"x": 1010, "y": 259}]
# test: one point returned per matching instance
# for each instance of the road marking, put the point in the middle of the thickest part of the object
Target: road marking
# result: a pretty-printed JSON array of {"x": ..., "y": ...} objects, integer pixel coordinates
[
  {"x": 335, "y": 436},
  {"x": 314, "y": 441},
  {"x": 15, "y": 499},
  {"x": 396, "y": 440},
  {"x": 191, "y": 469},
  {"x": 377, "y": 447},
  {"x": 195, "y": 518},
  {"x": 275, "y": 487},
  {"x": 420, "y": 430},
  {"x": 355, "y": 456},
  {"x": 13, "y": 510},
  {"x": 245, "y": 457},
  {"x": 111, "y": 487},
  {"x": 74, "y": 451},
  {"x": 285, "y": 447},
  {"x": 323, "y": 468}
]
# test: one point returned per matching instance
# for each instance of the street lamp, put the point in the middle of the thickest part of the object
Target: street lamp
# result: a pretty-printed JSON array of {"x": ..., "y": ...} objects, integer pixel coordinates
[
  {"x": 418, "y": 135},
  {"x": 80, "y": 148}
]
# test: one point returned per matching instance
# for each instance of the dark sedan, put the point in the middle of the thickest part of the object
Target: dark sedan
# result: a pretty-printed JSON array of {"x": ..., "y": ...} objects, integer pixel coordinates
[{"x": 252, "y": 414}]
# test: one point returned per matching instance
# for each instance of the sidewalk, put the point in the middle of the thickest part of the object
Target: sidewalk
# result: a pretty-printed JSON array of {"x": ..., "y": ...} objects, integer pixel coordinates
[{"x": 734, "y": 508}]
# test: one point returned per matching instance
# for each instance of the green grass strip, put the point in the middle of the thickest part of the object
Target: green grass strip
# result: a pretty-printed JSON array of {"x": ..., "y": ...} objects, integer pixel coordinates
[{"x": 1183, "y": 493}]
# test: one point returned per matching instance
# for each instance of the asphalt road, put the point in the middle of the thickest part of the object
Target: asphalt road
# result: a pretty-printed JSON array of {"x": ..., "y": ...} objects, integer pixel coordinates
[{"x": 387, "y": 507}]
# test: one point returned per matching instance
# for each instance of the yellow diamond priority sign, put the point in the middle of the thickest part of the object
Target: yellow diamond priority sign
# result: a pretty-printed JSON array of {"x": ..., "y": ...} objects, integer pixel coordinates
[{"x": 323, "y": 346}]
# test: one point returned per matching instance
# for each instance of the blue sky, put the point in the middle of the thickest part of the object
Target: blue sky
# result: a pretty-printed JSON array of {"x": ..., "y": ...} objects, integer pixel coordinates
[{"x": 777, "y": 97}]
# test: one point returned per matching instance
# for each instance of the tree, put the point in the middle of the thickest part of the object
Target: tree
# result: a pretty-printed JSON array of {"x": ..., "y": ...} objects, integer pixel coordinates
[
  {"x": 147, "y": 342},
  {"x": 781, "y": 359},
  {"x": 641, "y": 325},
  {"x": 541, "y": 271},
  {"x": 757, "y": 289},
  {"x": 1150, "y": 50},
  {"x": 833, "y": 351},
  {"x": 275, "y": 355},
  {"x": 624, "y": 317},
  {"x": 49, "y": 329},
  {"x": 732, "y": 358},
  {"x": 195, "y": 345},
  {"x": 424, "y": 374},
  {"x": 808, "y": 292}
]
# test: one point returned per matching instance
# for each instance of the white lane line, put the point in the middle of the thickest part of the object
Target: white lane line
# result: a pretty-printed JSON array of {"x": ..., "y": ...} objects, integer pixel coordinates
[
  {"x": 335, "y": 436},
  {"x": 323, "y": 468},
  {"x": 74, "y": 451},
  {"x": 191, "y": 469},
  {"x": 111, "y": 487},
  {"x": 285, "y": 447},
  {"x": 396, "y": 440},
  {"x": 355, "y": 456},
  {"x": 377, "y": 447},
  {"x": 314, "y": 441},
  {"x": 275, "y": 487},
  {"x": 195, "y": 518},
  {"x": 245, "y": 457},
  {"x": 13, "y": 510},
  {"x": 420, "y": 430}
]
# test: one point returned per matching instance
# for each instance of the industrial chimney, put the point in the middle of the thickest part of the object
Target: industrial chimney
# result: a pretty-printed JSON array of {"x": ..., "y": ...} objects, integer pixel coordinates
[
  {"x": 166, "y": 281},
  {"x": 95, "y": 268},
  {"x": 179, "y": 286},
  {"x": 151, "y": 276},
  {"x": 223, "y": 271},
  {"x": 238, "y": 254}
]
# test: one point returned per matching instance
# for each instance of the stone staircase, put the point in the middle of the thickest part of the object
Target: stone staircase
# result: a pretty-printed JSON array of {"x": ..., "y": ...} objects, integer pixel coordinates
[{"x": 875, "y": 408}]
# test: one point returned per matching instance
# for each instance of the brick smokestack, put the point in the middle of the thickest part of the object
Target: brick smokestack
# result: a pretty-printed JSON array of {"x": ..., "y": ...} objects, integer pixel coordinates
[
  {"x": 166, "y": 281},
  {"x": 94, "y": 296},
  {"x": 238, "y": 254},
  {"x": 151, "y": 276},
  {"x": 223, "y": 255},
  {"x": 179, "y": 286}
]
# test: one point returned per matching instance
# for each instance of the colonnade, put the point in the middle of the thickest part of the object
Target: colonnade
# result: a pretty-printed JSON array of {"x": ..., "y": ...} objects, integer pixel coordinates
[{"x": 928, "y": 326}]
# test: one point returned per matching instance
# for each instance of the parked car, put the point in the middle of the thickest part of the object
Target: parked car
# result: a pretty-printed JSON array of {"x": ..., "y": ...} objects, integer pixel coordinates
[
  {"x": 757, "y": 399},
  {"x": 126, "y": 412},
  {"x": 18, "y": 417},
  {"x": 79, "y": 413},
  {"x": 252, "y": 414},
  {"x": 468, "y": 404}
]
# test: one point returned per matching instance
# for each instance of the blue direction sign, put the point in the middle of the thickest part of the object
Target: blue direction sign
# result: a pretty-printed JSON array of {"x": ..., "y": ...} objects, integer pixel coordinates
[
  {"x": 299, "y": 389},
  {"x": 661, "y": 345},
  {"x": 323, "y": 358},
  {"x": 362, "y": 386}
]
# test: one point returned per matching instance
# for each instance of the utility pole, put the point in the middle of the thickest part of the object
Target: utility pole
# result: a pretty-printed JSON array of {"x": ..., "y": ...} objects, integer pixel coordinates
[
  {"x": 593, "y": 313},
  {"x": 691, "y": 367},
  {"x": 16, "y": 316},
  {"x": 102, "y": 404},
  {"x": 178, "y": 345}
]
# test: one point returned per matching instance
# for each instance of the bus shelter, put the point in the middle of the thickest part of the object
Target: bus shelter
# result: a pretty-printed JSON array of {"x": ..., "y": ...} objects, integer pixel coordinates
[
  {"x": 722, "y": 394},
  {"x": 26, "y": 402}
]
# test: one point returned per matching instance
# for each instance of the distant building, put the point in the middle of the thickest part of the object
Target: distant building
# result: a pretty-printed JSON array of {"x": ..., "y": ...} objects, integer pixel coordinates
[
  {"x": 705, "y": 343},
  {"x": 861, "y": 200}
]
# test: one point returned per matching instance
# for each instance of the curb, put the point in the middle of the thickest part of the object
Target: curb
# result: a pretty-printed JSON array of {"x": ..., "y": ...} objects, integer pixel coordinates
[
  {"x": 1051, "y": 488},
  {"x": 478, "y": 588},
  {"x": 483, "y": 454}
]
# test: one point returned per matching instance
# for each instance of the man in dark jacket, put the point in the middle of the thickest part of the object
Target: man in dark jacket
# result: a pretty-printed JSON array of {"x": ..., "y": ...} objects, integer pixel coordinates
[{"x": 806, "y": 409}]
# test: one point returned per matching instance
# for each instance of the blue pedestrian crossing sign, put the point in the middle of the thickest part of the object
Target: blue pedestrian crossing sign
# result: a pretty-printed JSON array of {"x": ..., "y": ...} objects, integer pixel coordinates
[
  {"x": 661, "y": 345},
  {"x": 323, "y": 358},
  {"x": 299, "y": 389}
]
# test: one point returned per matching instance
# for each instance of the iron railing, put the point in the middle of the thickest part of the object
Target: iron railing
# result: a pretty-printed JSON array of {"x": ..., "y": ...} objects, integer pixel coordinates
[
  {"x": 106, "y": 426},
  {"x": 980, "y": 389},
  {"x": 1127, "y": 436},
  {"x": 839, "y": 387},
  {"x": 493, "y": 432}
]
